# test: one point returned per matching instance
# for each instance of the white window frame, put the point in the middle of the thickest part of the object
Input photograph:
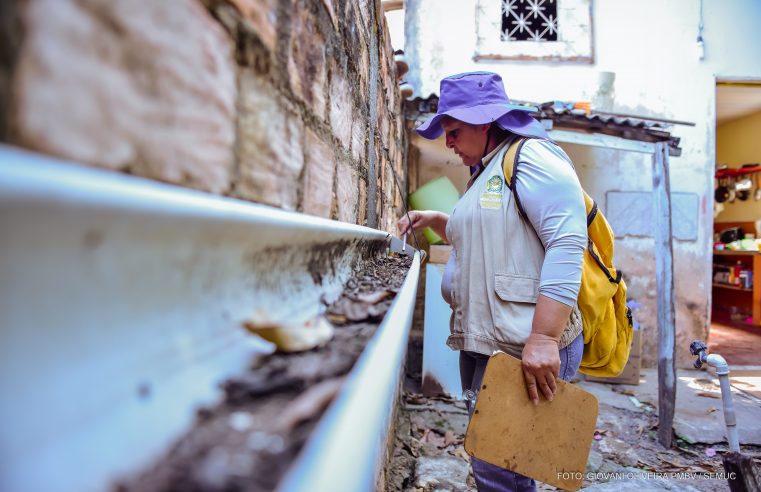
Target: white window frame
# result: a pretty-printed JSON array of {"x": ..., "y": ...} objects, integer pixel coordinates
[{"x": 575, "y": 35}]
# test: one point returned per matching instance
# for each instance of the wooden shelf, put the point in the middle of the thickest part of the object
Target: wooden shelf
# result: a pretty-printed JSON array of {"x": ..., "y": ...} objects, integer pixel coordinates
[
  {"x": 723, "y": 293},
  {"x": 731, "y": 287},
  {"x": 727, "y": 252},
  {"x": 727, "y": 295}
]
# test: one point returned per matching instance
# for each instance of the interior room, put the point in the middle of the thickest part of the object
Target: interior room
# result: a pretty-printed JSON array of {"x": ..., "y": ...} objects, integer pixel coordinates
[{"x": 736, "y": 294}]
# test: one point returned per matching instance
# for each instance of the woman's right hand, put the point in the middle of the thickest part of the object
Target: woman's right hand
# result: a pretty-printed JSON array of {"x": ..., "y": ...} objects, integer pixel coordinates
[{"x": 417, "y": 219}]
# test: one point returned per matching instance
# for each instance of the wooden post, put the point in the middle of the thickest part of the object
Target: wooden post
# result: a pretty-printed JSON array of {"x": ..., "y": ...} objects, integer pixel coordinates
[{"x": 664, "y": 280}]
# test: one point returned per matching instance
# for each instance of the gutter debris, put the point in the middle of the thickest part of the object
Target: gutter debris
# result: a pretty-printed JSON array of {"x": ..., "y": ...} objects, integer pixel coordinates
[{"x": 248, "y": 441}]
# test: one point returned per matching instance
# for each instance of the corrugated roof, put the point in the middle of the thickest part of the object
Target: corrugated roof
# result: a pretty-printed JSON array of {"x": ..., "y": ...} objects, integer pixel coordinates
[{"x": 562, "y": 115}]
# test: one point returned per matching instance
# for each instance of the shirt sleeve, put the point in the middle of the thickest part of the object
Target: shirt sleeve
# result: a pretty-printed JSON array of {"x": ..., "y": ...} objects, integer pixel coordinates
[{"x": 552, "y": 199}]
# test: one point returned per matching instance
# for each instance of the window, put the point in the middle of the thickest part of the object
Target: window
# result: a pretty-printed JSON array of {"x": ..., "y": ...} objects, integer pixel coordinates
[
  {"x": 546, "y": 30},
  {"x": 532, "y": 20}
]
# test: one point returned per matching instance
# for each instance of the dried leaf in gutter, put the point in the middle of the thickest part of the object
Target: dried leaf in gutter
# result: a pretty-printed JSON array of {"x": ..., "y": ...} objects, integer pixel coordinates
[
  {"x": 297, "y": 337},
  {"x": 337, "y": 319},
  {"x": 356, "y": 310},
  {"x": 309, "y": 404},
  {"x": 372, "y": 297}
]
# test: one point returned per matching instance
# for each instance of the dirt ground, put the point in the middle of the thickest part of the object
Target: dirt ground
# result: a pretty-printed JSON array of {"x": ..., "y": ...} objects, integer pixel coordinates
[
  {"x": 248, "y": 441},
  {"x": 625, "y": 455}
]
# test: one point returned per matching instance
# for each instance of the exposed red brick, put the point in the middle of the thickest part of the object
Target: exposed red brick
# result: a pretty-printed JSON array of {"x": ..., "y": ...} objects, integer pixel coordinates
[
  {"x": 306, "y": 60},
  {"x": 362, "y": 203},
  {"x": 318, "y": 176},
  {"x": 354, "y": 32},
  {"x": 384, "y": 125},
  {"x": 365, "y": 9},
  {"x": 388, "y": 71},
  {"x": 331, "y": 11},
  {"x": 341, "y": 108},
  {"x": 364, "y": 66},
  {"x": 358, "y": 137},
  {"x": 108, "y": 84},
  {"x": 262, "y": 15},
  {"x": 270, "y": 139},
  {"x": 346, "y": 192}
]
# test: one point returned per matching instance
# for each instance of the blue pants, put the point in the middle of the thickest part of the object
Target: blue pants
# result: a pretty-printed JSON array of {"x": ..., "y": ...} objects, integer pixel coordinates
[{"x": 491, "y": 478}]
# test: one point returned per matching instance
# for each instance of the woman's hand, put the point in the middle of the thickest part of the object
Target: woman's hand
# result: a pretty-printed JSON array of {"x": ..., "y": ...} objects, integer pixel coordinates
[
  {"x": 417, "y": 219},
  {"x": 414, "y": 217},
  {"x": 541, "y": 354},
  {"x": 541, "y": 365}
]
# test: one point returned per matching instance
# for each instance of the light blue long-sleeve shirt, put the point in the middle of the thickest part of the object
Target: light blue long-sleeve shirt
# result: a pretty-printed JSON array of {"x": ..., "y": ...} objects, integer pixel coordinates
[{"x": 553, "y": 201}]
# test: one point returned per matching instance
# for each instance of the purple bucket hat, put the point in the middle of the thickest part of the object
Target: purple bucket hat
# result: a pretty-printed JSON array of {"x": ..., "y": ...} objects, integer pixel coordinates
[{"x": 478, "y": 98}]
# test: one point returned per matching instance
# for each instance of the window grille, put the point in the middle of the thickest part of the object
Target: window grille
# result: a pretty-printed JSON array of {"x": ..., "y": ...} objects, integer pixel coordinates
[
  {"x": 529, "y": 20},
  {"x": 546, "y": 30}
]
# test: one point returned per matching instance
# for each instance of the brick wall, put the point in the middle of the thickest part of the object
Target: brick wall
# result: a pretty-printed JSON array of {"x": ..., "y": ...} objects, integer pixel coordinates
[{"x": 291, "y": 103}]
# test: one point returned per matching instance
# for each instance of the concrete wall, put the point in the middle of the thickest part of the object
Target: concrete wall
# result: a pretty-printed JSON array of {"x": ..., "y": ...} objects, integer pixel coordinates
[
  {"x": 737, "y": 143},
  {"x": 291, "y": 103},
  {"x": 651, "y": 48}
]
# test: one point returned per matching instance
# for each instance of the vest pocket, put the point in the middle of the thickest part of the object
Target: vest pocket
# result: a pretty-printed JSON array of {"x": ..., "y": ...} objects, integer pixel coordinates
[
  {"x": 516, "y": 288},
  {"x": 513, "y": 307}
]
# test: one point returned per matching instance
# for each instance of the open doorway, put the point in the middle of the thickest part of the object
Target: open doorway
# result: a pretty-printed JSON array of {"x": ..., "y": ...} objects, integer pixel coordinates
[{"x": 736, "y": 306}]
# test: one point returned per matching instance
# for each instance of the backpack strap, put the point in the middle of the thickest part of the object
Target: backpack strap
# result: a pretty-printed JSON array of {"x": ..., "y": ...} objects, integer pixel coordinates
[{"x": 510, "y": 169}]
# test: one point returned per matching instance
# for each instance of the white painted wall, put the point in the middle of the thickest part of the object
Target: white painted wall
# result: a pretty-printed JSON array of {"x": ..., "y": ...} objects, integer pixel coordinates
[{"x": 650, "y": 45}]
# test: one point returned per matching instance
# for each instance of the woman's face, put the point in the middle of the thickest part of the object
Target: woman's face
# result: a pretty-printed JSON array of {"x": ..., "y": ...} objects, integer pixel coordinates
[{"x": 465, "y": 140}]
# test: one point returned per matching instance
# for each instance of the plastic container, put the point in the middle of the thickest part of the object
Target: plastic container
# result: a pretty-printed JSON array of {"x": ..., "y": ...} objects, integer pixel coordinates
[{"x": 438, "y": 194}]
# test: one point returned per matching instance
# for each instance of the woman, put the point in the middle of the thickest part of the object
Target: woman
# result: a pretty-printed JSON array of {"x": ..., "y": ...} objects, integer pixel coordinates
[{"x": 512, "y": 282}]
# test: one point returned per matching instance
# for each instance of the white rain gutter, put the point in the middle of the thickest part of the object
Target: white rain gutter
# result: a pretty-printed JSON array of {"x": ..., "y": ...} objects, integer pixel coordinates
[
  {"x": 121, "y": 303},
  {"x": 348, "y": 449}
]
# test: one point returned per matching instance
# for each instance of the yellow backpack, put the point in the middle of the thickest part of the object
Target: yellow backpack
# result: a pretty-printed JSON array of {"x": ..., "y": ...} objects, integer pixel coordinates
[{"x": 602, "y": 299}]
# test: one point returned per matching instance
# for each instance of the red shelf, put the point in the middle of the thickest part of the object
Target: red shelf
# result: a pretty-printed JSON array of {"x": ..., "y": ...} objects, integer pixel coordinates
[{"x": 739, "y": 171}]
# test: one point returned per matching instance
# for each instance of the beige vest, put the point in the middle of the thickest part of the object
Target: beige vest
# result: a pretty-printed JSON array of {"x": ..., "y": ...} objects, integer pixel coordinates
[{"x": 498, "y": 263}]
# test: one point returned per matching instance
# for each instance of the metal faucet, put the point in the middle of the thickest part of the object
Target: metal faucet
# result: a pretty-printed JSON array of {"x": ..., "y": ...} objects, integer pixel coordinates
[
  {"x": 699, "y": 349},
  {"x": 742, "y": 473}
]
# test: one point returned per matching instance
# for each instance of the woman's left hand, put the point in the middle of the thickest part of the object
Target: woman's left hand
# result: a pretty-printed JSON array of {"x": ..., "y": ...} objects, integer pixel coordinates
[{"x": 541, "y": 366}]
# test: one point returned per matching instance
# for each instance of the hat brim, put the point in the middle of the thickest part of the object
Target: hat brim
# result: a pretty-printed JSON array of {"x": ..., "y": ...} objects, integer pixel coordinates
[
  {"x": 475, "y": 115},
  {"x": 523, "y": 124}
]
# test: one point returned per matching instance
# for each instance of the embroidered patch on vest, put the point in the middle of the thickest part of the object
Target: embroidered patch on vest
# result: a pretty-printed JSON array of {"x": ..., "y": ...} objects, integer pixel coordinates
[
  {"x": 494, "y": 185},
  {"x": 491, "y": 197}
]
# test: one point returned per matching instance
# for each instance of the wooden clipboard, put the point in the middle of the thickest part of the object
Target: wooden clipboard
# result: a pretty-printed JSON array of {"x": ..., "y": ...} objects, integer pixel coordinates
[{"x": 549, "y": 442}]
